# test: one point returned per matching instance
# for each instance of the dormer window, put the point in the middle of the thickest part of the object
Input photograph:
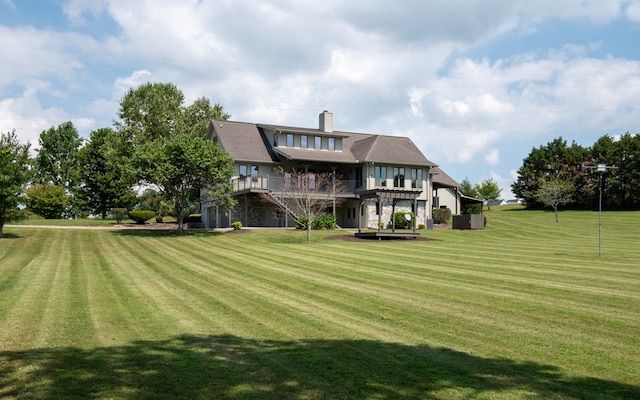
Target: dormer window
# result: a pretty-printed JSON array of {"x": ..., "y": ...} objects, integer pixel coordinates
[{"x": 289, "y": 139}]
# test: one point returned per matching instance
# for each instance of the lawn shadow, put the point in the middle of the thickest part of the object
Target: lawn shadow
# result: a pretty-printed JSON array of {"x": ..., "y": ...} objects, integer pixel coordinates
[
  {"x": 10, "y": 235},
  {"x": 231, "y": 367}
]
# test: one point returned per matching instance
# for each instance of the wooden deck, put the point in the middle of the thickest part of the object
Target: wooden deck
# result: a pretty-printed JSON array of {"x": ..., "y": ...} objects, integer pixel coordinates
[{"x": 387, "y": 235}]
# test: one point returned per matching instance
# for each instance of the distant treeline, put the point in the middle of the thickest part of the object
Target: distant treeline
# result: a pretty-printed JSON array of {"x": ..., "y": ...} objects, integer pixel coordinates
[{"x": 578, "y": 166}]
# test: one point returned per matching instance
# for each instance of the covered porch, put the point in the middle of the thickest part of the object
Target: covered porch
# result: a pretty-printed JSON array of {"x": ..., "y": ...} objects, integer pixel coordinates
[{"x": 392, "y": 196}]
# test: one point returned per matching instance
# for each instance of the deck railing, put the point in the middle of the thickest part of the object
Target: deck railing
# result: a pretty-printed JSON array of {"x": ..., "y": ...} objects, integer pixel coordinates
[{"x": 279, "y": 184}]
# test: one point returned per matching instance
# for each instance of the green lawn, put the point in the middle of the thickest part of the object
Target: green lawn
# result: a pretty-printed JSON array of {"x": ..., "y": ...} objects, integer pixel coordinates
[{"x": 522, "y": 310}]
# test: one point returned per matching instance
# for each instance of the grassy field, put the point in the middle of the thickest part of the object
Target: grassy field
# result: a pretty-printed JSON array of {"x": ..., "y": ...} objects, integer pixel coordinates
[{"x": 525, "y": 309}]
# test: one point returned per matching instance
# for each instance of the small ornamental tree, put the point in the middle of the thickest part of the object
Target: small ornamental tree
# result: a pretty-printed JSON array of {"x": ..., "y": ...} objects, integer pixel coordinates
[
  {"x": 306, "y": 195},
  {"x": 554, "y": 193}
]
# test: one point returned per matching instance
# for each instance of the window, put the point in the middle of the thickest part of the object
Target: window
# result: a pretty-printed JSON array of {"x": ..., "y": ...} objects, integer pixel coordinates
[
  {"x": 358, "y": 177},
  {"x": 243, "y": 171},
  {"x": 416, "y": 178},
  {"x": 332, "y": 143},
  {"x": 303, "y": 141},
  {"x": 317, "y": 142},
  {"x": 381, "y": 176},
  {"x": 398, "y": 177},
  {"x": 289, "y": 139},
  {"x": 254, "y": 173}
]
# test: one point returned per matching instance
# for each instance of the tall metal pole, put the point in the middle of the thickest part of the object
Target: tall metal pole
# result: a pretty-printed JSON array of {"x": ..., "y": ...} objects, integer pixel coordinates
[{"x": 600, "y": 219}]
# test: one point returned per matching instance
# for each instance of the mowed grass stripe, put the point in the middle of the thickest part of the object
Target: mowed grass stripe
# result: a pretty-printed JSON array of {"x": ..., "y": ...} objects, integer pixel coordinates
[{"x": 27, "y": 321}]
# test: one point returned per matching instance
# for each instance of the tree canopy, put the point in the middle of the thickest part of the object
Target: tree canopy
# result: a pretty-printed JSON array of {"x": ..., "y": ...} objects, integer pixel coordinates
[
  {"x": 57, "y": 158},
  {"x": 104, "y": 184},
  {"x": 14, "y": 175},
  {"x": 488, "y": 190},
  {"x": 162, "y": 144},
  {"x": 180, "y": 165}
]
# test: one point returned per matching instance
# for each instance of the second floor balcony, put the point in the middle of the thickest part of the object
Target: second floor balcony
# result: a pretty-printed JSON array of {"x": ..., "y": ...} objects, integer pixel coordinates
[{"x": 279, "y": 184}]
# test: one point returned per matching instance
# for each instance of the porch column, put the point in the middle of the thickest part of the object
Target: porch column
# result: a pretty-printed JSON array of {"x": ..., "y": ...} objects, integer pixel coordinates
[
  {"x": 415, "y": 214},
  {"x": 333, "y": 189},
  {"x": 246, "y": 211},
  {"x": 359, "y": 214},
  {"x": 379, "y": 212},
  {"x": 393, "y": 216}
]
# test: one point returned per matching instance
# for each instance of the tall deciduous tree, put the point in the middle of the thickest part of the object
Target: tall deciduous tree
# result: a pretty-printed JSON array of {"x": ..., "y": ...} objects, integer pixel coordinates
[
  {"x": 554, "y": 193},
  {"x": 57, "y": 158},
  {"x": 162, "y": 142},
  {"x": 103, "y": 180},
  {"x": 57, "y": 163},
  {"x": 488, "y": 190},
  {"x": 180, "y": 165},
  {"x": 14, "y": 174}
]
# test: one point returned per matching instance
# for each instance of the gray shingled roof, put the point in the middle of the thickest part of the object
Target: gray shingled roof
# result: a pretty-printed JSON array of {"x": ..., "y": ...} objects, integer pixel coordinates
[
  {"x": 244, "y": 142},
  {"x": 440, "y": 178}
]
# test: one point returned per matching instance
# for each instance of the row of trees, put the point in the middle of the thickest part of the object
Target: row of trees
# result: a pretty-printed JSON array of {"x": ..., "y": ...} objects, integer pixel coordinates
[
  {"x": 157, "y": 142},
  {"x": 558, "y": 173}
]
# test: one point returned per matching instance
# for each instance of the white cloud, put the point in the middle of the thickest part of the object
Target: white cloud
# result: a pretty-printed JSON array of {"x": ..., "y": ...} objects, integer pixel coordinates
[
  {"x": 26, "y": 115},
  {"x": 633, "y": 11},
  {"x": 76, "y": 9}
]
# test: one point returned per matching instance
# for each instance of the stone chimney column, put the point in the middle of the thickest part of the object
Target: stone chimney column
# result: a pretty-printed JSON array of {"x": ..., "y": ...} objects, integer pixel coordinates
[{"x": 326, "y": 121}]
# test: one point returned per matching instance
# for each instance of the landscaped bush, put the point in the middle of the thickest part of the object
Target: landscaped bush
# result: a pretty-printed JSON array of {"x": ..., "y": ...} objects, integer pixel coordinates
[
  {"x": 421, "y": 226},
  {"x": 301, "y": 223},
  {"x": 236, "y": 225},
  {"x": 401, "y": 222},
  {"x": 441, "y": 215},
  {"x": 327, "y": 221},
  {"x": 141, "y": 216},
  {"x": 118, "y": 214}
]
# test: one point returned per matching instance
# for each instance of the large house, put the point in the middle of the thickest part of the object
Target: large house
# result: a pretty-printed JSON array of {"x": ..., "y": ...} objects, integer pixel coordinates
[{"x": 380, "y": 174}]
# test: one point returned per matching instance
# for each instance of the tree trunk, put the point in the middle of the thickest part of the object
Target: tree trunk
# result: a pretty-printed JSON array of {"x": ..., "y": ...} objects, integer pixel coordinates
[
  {"x": 555, "y": 209},
  {"x": 180, "y": 216},
  {"x": 309, "y": 231}
]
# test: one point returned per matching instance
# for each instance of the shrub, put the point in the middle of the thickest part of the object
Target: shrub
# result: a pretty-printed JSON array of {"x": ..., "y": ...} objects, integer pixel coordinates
[
  {"x": 48, "y": 201},
  {"x": 141, "y": 216},
  {"x": 441, "y": 215},
  {"x": 327, "y": 221},
  {"x": 301, "y": 222},
  {"x": 236, "y": 225},
  {"x": 118, "y": 214},
  {"x": 401, "y": 222},
  {"x": 421, "y": 226}
]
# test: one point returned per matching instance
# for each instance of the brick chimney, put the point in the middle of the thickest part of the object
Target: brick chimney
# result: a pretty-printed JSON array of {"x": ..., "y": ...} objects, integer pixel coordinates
[{"x": 326, "y": 121}]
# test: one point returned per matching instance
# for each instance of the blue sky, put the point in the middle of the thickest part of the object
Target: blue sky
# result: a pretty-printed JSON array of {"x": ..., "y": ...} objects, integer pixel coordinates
[{"x": 475, "y": 84}]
